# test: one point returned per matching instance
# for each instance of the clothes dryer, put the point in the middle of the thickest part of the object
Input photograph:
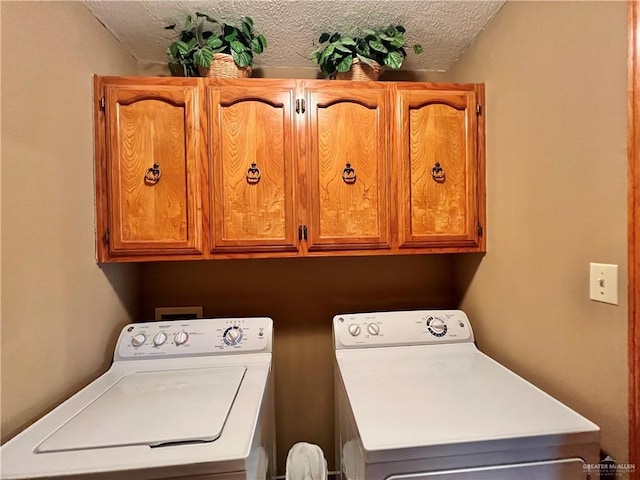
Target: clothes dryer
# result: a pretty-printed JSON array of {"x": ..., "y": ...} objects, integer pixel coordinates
[{"x": 417, "y": 400}]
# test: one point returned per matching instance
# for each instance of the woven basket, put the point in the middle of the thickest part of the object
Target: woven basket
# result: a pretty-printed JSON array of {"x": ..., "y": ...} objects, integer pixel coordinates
[
  {"x": 223, "y": 66},
  {"x": 361, "y": 71}
]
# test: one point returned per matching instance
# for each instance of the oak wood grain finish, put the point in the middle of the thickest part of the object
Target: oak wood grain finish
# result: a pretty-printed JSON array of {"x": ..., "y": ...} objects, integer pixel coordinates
[
  {"x": 100, "y": 175},
  {"x": 147, "y": 127},
  {"x": 633, "y": 145},
  {"x": 301, "y": 134},
  {"x": 252, "y": 143},
  {"x": 228, "y": 254},
  {"x": 348, "y": 167},
  {"x": 481, "y": 168},
  {"x": 436, "y": 159}
]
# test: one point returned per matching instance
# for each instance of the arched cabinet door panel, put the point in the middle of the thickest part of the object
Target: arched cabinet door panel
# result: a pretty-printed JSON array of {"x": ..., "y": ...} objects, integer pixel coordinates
[
  {"x": 347, "y": 167},
  {"x": 252, "y": 147},
  {"x": 152, "y": 167},
  {"x": 436, "y": 160}
]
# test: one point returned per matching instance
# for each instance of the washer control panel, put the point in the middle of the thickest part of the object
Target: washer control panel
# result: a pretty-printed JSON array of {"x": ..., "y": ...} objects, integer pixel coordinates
[
  {"x": 417, "y": 327},
  {"x": 186, "y": 338}
]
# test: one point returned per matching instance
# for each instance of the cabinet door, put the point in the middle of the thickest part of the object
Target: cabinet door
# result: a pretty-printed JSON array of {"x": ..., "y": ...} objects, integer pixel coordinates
[
  {"x": 436, "y": 158},
  {"x": 152, "y": 169},
  {"x": 252, "y": 147},
  {"x": 347, "y": 166}
]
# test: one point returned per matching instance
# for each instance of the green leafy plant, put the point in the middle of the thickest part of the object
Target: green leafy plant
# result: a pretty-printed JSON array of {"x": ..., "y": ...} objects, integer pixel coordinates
[
  {"x": 385, "y": 46},
  {"x": 196, "y": 44}
]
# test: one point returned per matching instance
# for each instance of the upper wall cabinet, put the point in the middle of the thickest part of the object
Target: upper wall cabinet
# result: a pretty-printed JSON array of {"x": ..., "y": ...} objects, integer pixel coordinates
[
  {"x": 148, "y": 169},
  {"x": 204, "y": 168}
]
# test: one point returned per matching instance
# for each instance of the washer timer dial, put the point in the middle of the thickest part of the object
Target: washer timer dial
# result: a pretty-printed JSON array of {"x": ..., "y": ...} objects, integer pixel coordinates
[
  {"x": 232, "y": 336},
  {"x": 436, "y": 326}
]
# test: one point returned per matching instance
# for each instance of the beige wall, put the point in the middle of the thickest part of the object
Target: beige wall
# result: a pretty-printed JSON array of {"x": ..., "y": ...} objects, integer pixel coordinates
[
  {"x": 302, "y": 295},
  {"x": 60, "y": 311},
  {"x": 555, "y": 75}
]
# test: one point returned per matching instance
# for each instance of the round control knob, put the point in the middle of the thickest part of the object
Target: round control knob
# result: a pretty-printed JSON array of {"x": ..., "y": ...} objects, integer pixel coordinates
[
  {"x": 138, "y": 340},
  {"x": 181, "y": 338},
  {"x": 232, "y": 335},
  {"x": 436, "y": 326},
  {"x": 373, "y": 329},
  {"x": 159, "y": 339},
  {"x": 354, "y": 330}
]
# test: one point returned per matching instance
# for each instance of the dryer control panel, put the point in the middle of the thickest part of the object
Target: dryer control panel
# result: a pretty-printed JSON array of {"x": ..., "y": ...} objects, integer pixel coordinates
[
  {"x": 416, "y": 327},
  {"x": 197, "y": 337}
]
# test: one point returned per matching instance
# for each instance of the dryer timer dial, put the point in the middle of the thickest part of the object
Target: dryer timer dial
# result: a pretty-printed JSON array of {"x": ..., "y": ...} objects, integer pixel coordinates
[{"x": 436, "y": 326}]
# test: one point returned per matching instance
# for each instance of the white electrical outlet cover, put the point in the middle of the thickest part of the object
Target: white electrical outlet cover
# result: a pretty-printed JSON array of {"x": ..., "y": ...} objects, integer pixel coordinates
[{"x": 603, "y": 283}]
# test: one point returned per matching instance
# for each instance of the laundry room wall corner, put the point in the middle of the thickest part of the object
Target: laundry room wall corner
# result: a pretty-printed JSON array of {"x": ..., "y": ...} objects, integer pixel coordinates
[
  {"x": 556, "y": 200},
  {"x": 60, "y": 312}
]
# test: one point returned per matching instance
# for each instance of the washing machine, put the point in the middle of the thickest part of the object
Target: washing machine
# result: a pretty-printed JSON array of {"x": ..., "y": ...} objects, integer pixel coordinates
[
  {"x": 417, "y": 400},
  {"x": 182, "y": 400}
]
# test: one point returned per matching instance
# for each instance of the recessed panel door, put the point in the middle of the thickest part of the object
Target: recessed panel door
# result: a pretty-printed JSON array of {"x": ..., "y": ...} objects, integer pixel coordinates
[
  {"x": 153, "y": 174},
  {"x": 347, "y": 167},
  {"x": 252, "y": 149},
  {"x": 436, "y": 160}
]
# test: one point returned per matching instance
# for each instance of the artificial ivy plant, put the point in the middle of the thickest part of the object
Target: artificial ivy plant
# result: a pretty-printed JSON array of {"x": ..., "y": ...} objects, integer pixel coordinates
[
  {"x": 196, "y": 44},
  {"x": 385, "y": 46}
]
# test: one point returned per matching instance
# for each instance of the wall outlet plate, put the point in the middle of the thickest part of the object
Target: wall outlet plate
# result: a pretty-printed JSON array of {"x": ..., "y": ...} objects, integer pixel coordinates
[
  {"x": 603, "y": 283},
  {"x": 178, "y": 313}
]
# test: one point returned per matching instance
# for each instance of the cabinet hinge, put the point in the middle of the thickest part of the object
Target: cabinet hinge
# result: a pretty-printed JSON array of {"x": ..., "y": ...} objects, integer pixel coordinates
[
  {"x": 106, "y": 236},
  {"x": 102, "y": 103},
  {"x": 478, "y": 109},
  {"x": 480, "y": 229}
]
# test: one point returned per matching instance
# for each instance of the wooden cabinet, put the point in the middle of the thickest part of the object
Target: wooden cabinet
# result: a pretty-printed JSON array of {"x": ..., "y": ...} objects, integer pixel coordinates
[
  {"x": 253, "y": 153},
  {"x": 259, "y": 167},
  {"x": 438, "y": 165},
  {"x": 148, "y": 175},
  {"x": 347, "y": 167}
]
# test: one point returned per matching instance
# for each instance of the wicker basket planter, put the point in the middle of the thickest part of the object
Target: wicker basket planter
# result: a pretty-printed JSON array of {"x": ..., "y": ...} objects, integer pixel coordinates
[
  {"x": 360, "y": 71},
  {"x": 223, "y": 66}
]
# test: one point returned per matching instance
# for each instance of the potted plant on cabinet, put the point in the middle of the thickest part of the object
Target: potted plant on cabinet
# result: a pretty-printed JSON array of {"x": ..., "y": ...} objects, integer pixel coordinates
[
  {"x": 363, "y": 54},
  {"x": 226, "y": 52}
]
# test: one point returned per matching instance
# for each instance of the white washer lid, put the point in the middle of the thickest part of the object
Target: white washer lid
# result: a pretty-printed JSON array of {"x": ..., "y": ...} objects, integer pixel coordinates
[
  {"x": 438, "y": 396},
  {"x": 153, "y": 408}
]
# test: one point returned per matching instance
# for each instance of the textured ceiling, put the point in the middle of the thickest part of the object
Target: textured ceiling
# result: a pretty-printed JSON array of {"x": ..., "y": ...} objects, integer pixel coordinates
[{"x": 444, "y": 28}]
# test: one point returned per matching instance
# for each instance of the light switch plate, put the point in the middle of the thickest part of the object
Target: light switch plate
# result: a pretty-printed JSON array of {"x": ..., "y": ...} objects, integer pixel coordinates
[{"x": 603, "y": 283}]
